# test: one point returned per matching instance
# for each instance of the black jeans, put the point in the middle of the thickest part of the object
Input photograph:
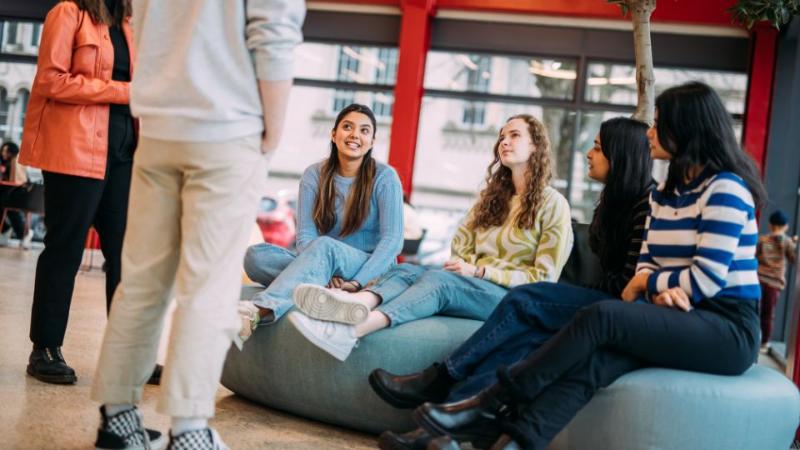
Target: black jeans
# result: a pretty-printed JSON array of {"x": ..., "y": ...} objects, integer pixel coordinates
[
  {"x": 73, "y": 204},
  {"x": 609, "y": 339}
]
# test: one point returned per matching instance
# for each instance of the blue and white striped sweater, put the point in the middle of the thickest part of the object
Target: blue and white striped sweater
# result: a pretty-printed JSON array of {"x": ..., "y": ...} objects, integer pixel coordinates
[{"x": 703, "y": 240}]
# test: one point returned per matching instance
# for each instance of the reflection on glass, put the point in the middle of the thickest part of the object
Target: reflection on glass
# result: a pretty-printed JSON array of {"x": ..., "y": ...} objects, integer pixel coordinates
[
  {"x": 348, "y": 63},
  {"x": 616, "y": 84},
  {"x": 20, "y": 38},
  {"x": 451, "y": 160},
  {"x": 500, "y": 75}
]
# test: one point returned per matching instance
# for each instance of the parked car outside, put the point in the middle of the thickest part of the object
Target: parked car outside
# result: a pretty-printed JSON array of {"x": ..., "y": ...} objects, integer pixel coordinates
[{"x": 276, "y": 219}]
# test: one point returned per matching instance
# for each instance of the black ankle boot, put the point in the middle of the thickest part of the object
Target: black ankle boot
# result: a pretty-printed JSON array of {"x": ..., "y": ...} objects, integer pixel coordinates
[
  {"x": 409, "y": 391},
  {"x": 48, "y": 365},
  {"x": 413, "y": 440},
  {"x": 474, "y": 419}
]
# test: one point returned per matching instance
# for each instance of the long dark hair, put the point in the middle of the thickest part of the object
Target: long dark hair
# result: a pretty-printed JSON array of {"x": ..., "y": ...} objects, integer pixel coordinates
[
  {"x": 624, "y": 144},
  {"x": 493, "y": 207},
  {"x": 356, "y": 206},
  {"x": 695, "y": 128},
  {"x": 100, "y": 13}
]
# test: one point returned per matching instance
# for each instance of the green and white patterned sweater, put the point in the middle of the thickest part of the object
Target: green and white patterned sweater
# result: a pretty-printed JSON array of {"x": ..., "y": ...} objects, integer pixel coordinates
[{"x": 513, "y": 256}]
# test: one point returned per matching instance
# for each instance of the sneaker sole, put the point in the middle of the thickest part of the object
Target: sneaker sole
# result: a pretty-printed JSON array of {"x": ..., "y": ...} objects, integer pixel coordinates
[
  {"x": 321, "y": 344},
  {"x": 318, "y": 303},
  {"x": 389, "y": 397},
  {"x": 52, "y": 379},
  {"x": 158, "y": 444}
]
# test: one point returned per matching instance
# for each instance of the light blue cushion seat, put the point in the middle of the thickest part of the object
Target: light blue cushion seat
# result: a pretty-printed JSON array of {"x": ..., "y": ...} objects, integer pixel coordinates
[{"x": 647, "y": 409}]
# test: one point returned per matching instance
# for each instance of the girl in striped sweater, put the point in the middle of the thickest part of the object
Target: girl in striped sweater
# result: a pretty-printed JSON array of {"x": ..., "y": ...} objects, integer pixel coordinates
[
  {"x": 691, "y": 305},
  {"x": 518, "y": 232}
]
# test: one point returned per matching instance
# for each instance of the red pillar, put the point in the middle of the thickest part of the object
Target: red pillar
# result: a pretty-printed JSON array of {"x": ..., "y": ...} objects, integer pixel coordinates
[
  {"x": 415, "y": 31},
  {"x": 763, "y": 51}
]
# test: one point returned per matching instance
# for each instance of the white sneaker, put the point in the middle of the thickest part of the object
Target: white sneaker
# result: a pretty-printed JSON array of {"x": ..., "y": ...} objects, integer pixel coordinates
[
  {"x": 328, "y": 304},
  {"x": 5, "y": 237},
  {"x": 25, "y": 243},
  {"x": 203, "y": 439},
  {"x": 248, "y": 313},
  {"x": 337, "y": 339}
]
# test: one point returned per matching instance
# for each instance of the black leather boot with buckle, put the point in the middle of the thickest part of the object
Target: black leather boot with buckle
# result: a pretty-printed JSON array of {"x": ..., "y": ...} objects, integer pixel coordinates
[
  {"x": 409, "y": 391},
  {"x": 47, "y": 364}
]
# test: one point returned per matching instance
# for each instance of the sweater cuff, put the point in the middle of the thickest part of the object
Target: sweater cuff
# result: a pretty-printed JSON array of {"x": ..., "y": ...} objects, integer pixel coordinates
[{"x": 273, "y": 68}]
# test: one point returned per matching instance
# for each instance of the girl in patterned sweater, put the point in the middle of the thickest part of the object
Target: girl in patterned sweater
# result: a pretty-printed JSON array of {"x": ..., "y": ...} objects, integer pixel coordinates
[
  {"x": 696, "y": 284},
  {"x": 518, "y": 232}
]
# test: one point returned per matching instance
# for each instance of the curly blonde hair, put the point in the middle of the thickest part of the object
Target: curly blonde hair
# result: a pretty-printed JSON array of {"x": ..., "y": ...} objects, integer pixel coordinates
[{"x": 493, "y": 206}]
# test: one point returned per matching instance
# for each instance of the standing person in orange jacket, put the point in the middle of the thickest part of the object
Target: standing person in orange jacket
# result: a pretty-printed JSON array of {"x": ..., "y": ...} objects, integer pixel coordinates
[{"x": 80, "y": 132}]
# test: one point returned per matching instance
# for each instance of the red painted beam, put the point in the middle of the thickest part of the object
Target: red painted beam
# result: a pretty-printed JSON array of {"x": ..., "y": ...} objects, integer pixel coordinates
[
  {"x": 415, "y": 31},
  {"x": 763, "y": 51},
  {"x": 695, "y": 12}
]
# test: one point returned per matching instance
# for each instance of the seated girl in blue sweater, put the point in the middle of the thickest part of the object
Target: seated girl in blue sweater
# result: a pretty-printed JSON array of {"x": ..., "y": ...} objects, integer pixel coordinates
[
  {"x": 350, "y": 225},
  {"x": 696, "y": 275}
]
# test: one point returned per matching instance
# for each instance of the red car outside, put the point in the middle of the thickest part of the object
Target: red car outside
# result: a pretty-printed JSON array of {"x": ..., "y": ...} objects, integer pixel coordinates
[{"x": 277, "y": 221}]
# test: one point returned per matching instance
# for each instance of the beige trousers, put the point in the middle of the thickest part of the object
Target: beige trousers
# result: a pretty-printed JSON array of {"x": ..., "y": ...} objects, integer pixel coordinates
[{"x": 192, "y": 206}]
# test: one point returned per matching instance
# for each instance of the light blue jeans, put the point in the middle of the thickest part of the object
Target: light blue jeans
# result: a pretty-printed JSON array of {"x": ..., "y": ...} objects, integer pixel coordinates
[
  {"x": 411, "y": 292},
  {"x": 282, "y": 270}
]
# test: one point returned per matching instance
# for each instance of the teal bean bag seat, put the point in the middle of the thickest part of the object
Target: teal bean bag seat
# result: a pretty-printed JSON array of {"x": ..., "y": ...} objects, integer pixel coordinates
[
  {"x": 646, "y": 409},
  {"x": 279, "y": 368}
]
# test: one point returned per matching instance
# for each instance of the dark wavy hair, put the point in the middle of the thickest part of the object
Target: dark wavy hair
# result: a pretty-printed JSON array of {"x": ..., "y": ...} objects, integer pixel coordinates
[
  {"x": 493, "y": 205},
  {"x": 695, "y": 128},
  {"x": 624, "y": 144},
  {"x": 356, "y": 206},
  {"x": 100, "y": 13}
]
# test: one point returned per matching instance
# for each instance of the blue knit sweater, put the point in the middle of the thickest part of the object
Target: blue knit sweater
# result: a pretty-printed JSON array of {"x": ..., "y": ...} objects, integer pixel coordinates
[
  {"x": 703, "y": 239},
  {"x": 381, "y": 233}
]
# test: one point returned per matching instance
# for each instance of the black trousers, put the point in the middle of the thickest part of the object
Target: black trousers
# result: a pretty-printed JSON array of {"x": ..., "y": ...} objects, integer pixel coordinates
[
  {"x": 611, "y": 338},
  {"x": 8, "y": 195},
  {"x": 73, "y": 204}
]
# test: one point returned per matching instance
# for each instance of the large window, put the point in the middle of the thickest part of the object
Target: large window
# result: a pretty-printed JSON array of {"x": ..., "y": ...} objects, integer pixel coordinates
[{"x": 469, "y": 96}]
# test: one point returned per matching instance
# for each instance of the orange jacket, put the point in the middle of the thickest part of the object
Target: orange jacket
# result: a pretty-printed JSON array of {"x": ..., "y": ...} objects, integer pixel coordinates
[{"x": 66, "y": 124}]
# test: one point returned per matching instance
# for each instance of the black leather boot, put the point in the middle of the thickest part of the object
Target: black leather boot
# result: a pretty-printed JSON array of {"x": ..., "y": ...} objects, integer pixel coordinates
[
  {"x": 409, "y": 391},
  {"x": 474, "y": 419},
  {"x": 413, "y": 440},
  {"x": 48, "y": 365}
]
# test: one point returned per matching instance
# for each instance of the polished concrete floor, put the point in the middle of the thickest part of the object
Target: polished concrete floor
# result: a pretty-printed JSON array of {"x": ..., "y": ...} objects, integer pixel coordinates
[{"x": 37, "y": 416}]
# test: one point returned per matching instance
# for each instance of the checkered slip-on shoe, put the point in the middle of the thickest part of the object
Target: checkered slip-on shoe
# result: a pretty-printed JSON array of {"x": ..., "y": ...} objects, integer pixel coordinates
[
  {"x": 203, "y": 439},
  {"x": 125, "y": 431}
]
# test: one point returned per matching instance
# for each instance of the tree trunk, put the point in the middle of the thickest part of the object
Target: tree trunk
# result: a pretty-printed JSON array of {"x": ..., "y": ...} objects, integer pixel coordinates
[{"x": 641, "y": 10}]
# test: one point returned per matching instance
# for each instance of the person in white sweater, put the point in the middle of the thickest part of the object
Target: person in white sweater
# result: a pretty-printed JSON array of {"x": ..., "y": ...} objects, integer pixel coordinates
[{"x": 211, "y": 90}]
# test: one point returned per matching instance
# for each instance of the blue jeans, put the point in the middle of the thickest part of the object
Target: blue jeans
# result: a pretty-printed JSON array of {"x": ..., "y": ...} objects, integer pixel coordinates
[
  {"x": 410, "y": 292},
  {"x": 281, "y": 270},
  {"x": 524, "y": 320}
]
